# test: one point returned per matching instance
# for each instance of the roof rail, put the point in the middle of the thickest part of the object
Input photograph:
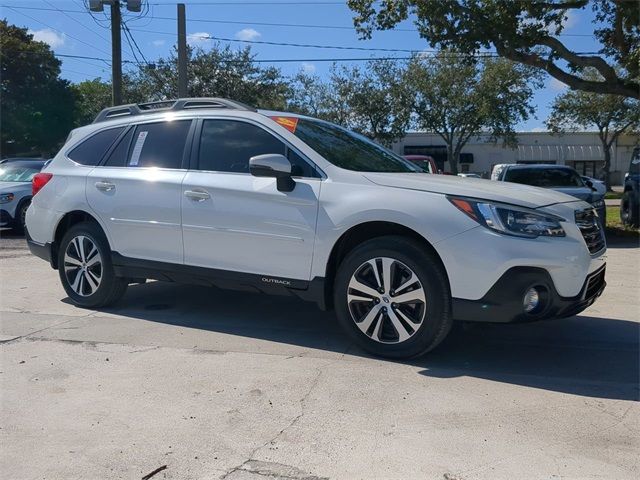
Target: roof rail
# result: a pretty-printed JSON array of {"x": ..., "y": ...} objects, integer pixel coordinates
[{"x": 134, "y": 109}]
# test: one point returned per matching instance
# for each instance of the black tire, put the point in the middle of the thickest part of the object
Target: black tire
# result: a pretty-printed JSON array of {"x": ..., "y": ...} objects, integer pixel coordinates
[
  {"x": 436, "y": 320},
  {"x": 110, "y": 287},
  {"x": 630, "y": 209},
  {"x": 21, "y": 212}
]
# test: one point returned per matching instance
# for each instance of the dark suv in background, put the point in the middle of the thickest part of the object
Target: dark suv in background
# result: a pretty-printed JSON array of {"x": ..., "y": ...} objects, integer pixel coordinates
[{"x": 630, "y": 203}]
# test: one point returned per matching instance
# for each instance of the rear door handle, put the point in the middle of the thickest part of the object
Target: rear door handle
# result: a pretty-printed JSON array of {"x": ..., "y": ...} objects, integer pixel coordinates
[
  {"x": 105, "y": 186},
  {"x": 197, "y": 195}
]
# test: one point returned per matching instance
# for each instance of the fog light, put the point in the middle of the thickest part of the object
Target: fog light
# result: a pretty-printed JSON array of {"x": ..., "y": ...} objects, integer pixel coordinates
[{"x": 531, "y": 300}]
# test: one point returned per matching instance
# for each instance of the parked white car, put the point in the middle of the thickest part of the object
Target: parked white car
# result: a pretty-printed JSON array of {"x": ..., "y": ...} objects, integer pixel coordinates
[{"x": 212, "y": 191}]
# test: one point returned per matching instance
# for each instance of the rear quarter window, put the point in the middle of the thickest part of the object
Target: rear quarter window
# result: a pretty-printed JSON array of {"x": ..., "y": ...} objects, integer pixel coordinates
[{"x": 91, "y": 150}]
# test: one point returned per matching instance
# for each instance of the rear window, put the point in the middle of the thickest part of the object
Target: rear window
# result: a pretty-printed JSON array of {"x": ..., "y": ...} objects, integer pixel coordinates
[
  {"x": 159, "y": 145},
  {"x": 544, "y": 177},
  {"x": 91, "y": 151}
]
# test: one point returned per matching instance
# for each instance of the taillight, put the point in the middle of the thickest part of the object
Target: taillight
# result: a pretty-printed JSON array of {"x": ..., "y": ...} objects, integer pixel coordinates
[{"x": 39, "y": 181}]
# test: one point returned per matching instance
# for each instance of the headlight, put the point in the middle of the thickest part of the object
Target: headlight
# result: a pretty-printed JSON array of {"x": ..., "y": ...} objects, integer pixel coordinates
[
  {"x": 598, "y": 204},
  {"x": 6, "y": 197},
  {"x": 510, "y": 220}
]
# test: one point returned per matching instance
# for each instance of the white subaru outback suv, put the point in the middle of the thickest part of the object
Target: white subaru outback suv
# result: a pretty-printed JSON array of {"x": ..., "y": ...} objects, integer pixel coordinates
[{"x": 213, "y": 192}]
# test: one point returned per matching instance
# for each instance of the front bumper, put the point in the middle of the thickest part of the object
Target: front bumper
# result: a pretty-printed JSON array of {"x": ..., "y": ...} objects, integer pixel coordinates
[
  {"x": 503, "y": 303},
  {"x": 6, "y": 218}
]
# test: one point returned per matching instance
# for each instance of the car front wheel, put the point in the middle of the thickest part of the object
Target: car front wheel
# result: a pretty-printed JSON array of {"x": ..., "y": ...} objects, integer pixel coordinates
[
  {"x": 85, "y": 268},
  {"x": 630, "y": 209},
  {"x": 392, "y": 298}
]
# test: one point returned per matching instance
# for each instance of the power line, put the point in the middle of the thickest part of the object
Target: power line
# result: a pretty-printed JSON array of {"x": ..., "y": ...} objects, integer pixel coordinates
[
  {"x": 309, "y": 45},
  {"x": 254, "y": 3},
  {"x": 279, "y": 60},
  {"x": 55, "y": 29},
  {"x": 265, "y": 24},
  {"x": 78, "y": 22}
]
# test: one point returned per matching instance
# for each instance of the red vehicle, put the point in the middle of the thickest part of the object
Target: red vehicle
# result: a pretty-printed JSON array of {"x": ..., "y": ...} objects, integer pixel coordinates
[{"x": 425, "y": 162}]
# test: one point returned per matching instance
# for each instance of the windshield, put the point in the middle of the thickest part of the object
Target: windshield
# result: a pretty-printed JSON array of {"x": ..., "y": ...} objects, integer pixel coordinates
[
  {"x": 544, "y": 177},
  {"x": 349, "y": 150},
  {"x": 17, "y": 173}
]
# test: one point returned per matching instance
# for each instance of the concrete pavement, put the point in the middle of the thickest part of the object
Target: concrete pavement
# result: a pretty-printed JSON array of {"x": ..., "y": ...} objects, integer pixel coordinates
[{"x": 229, "y": 385}]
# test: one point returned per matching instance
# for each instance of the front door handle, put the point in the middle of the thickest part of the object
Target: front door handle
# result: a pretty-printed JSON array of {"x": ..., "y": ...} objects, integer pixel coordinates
[
  {"x": 105, "y": 186},
  {"x": 197, "y": 195}
]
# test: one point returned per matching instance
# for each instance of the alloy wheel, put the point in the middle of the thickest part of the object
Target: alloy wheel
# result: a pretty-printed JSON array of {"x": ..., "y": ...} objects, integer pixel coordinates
[
  {"x": 386, "y": 300},
  {"x": 83, "y": 266}
]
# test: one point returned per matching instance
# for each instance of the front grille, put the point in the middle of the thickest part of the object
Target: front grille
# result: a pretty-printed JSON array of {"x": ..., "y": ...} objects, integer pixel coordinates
[
  {"x": 594, "y": 284},
  {"x": 587, "y": 222}
]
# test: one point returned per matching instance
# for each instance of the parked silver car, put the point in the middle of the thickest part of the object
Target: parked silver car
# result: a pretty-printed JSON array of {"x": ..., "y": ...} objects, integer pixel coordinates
[
  {"x": 15, "y": 189},
  {"x": 560, "y": 178}
]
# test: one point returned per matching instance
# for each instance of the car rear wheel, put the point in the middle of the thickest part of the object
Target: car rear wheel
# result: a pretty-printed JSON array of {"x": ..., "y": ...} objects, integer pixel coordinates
[
  {"x": 392, "y": 298},
  {"x": 85, "y": 268},
  {"x": 630, "y": 209}
]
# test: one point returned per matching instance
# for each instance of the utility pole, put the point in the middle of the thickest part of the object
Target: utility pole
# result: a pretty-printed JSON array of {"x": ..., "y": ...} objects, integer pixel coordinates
[
  {"x": 116, "y": 41},
  {"x": 116, "y": 54},
  {"x": 182, "y": 52}
]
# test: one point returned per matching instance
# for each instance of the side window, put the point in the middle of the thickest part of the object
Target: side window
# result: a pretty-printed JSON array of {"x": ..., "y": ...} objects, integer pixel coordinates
[
  {"x": 227, "y": 146},
  {"x": 91, "y": 151},
  {"x": 118, "y": 156},
  {"x": 299, "y": 166},
  {"x": 158, "y": 144}
]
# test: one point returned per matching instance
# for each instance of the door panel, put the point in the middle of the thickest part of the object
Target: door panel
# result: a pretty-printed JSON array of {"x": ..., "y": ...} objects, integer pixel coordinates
[
  {"x": 138, "y": 189},
  {"x": 247, "y": 225},
  {"x": 141, "y": 209}
]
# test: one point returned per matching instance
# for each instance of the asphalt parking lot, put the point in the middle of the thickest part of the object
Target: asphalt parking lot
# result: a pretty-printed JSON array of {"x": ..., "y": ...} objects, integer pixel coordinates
[{"x": 224, "y": 385}]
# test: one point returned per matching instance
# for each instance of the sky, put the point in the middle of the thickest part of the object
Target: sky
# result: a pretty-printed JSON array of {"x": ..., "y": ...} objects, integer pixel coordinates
[{"x": 68, "y": 27}]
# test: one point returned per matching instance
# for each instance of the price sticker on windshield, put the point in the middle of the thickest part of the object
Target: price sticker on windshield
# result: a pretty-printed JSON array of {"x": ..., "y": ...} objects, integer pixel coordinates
[{"x": 290, "y": 123}]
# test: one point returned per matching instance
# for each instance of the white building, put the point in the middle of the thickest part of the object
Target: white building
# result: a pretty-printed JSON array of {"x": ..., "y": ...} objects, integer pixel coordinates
[{"x": 582, "y": 150}]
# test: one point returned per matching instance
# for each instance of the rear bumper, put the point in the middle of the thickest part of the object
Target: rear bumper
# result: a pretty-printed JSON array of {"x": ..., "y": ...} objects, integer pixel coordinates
[
  {"x": 503, "y": 302},
  {"x": 40, "y": 250}
]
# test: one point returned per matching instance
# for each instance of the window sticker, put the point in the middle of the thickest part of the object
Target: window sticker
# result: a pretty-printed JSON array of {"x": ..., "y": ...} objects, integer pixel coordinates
[
  {"x": 137, "y": 149},
  {"x": 290, "y": 123}
]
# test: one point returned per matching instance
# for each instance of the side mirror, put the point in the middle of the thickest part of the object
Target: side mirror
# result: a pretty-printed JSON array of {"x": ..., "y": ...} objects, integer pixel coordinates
[
  {"x": 273, "y": 165},
  {"x": 589, "y": 184}
]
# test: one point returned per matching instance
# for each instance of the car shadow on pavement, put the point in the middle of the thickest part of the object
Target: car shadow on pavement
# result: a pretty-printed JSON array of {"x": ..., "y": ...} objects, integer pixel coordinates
[{"x": 585, "y": 355}]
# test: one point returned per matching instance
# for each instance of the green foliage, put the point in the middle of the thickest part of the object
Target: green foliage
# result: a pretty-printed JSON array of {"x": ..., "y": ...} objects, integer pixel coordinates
[
  {"x": 523, "y": 31},
  {"x": 371, "y": 100},
  {"x": 37, "y": 106},
  {"x": 458, "y": 97},
  {"x": 218, "y": 72},
  {"x": 91, "y": 97},
  {"x": 612, "y": 115},
  {"x": 309, "y": 95}
]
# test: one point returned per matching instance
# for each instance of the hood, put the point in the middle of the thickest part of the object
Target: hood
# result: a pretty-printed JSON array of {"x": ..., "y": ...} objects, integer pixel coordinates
[
  {"x": 14, "y": 186},
  {"x": 583, "y": 193},
  {"x": 513, "y": 193}
]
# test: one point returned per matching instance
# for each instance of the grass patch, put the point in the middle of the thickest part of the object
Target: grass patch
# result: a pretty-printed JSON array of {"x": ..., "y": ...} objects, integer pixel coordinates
[
  {"x": 613, "y": 195},
  {"x": 615, "y": 226}
]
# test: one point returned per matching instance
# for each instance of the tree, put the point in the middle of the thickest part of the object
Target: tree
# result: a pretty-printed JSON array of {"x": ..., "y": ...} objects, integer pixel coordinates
[
  {"x": 37, "y": 106},
  {"x": 524, "y": 31},
  {"x": 458, "y": 97},
  {"x": 612, "y": 115},
  {"x": 218, "y": 72},
  {"x": 378, "y": 102},
  {"x": 309, "y": 95},
  {"x": 91, "y": 97}
]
